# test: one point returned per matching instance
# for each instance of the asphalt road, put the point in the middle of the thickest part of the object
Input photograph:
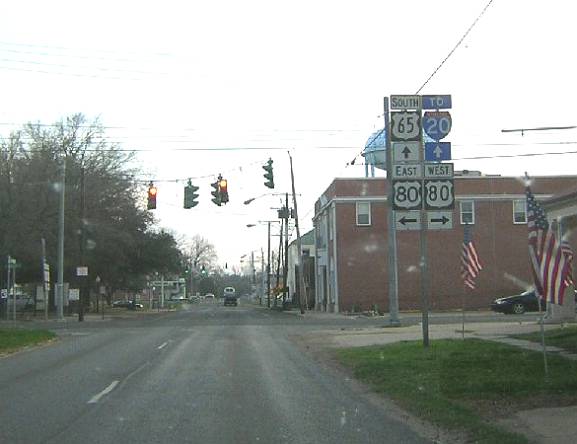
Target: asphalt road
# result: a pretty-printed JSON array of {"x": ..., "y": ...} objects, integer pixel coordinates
[{"x": 208, "y": 374}]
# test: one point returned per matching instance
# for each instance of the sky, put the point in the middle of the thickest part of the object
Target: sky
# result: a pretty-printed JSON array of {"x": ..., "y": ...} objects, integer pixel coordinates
[{"x": 207, "y": 87}]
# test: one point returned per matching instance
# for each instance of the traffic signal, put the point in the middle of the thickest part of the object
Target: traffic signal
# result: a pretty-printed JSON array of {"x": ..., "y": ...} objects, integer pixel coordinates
[
  {"x": 216, "y": 193},
  {"x": 151, "y": 197},
  {"x": 223, "y": 189},
  {"x": 190, "y": 195},
  {"x": 268, "y": 175}
]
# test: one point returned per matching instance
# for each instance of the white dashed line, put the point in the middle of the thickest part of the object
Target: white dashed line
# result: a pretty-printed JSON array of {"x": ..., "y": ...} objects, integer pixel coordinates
[
  {"x": 161, "y": 346},
  {"x": 106, "y": 391}
]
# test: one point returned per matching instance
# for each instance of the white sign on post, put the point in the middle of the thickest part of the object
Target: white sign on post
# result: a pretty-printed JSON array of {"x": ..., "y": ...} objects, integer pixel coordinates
[
  {"x": 407, "y": 195},
  {"x": 439, "y": 194},
  {"x": 406, "y": 126},
  {"x": 406, "y": 152}
]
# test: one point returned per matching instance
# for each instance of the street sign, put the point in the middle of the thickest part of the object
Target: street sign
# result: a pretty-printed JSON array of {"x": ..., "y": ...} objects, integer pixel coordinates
[
  {"x": 436, "y": 102},
  {"x": 406, "y": 152},
  {"x": 439, "y": 170},
  {"x": 408, "y": 171},
  {"x": 437, "y": 124},
  {"x": 439, "y": 194},
  {"x": 439, "y": 220},
  {"x": 437, "y": 151},
  {"x": 405, "y": 126},
  {"x": 405, "y": 102},
  {"x": 407, "y": 194},
  {"x": 81, "y": 271},
  {"x": 408, "y": 220}
]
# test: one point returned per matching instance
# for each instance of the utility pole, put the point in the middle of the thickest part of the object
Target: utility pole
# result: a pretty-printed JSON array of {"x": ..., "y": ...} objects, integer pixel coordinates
[
  {"x": 278, "y": 262},
  {"x": 285, "y": 267},
  {"x": 299, "y": 244},
  {"x": 60, "y": 284},
  {"x": 268, "y": 269},
  {"x": 8, "y": 289},
  {"x": 82, "y": 241},
  {"x": 45, "y": 282},
  {"x": 261, "y": 277}
]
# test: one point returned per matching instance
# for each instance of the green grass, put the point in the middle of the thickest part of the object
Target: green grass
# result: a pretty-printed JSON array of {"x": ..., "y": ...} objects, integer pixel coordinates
[
  {"x": 565, "y": 337},
  {"x": 12, "y": 339},
  {"x": 457, "y": 384}
]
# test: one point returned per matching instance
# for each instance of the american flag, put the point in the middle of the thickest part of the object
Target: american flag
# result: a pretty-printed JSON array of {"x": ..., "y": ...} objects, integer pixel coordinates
[
  {"x": 470, "y": 263},
  {"x": 551, "y": 261}
]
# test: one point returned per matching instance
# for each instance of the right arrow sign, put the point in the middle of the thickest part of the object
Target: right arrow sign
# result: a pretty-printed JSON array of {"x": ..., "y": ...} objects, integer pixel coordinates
[{"x": 439, "y": 220}]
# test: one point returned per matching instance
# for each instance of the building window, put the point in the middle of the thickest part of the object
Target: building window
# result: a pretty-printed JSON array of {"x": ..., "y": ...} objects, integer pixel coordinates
[
  {"x": 363, "y": 213},
  {"x": 519, "y": 211},
  {"x": 467, "y": 212}
]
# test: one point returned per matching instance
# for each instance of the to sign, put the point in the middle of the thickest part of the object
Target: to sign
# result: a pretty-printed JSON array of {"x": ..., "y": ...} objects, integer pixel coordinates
[
  {"x": 407, "y": 194},
  {"x": 405, "y": 126},
  {"x": 439, "y": 194},
  {"x": 437, "y": 124},
  {"x": 437, "y": 102}
]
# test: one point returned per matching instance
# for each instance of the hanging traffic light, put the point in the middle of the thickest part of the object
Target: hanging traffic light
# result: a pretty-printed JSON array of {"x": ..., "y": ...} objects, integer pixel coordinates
[
  {"x": 190, "y": 195},
  {"x": 151, "y": 196},
  {"x": 216, "y": 193},
  {"x": 223, "y": 189},
  {"x": 269, "y": 174}
]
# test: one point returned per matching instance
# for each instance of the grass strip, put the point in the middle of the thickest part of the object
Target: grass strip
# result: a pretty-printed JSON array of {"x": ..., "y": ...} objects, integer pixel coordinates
[
  {"x": 12, "y": 340},
  {"x": 564, "y": 337},
  {"x": 463, "y": 386}
]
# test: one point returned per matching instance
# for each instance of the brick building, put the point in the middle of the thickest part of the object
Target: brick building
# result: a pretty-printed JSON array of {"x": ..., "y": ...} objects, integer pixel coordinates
[{"x": 351, "y": 244}]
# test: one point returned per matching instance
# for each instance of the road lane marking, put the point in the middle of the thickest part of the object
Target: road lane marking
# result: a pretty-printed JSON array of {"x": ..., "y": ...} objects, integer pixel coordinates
[
  {"x": 161, "y": 346},
  {"x": 104, "y": 392}
]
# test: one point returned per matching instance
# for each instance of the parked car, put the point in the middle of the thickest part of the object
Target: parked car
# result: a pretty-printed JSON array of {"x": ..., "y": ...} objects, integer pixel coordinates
[
  {"x": 127, "y": 304},
  {"x": 520, "y": 303},
  {"x": 208, "y": 297}
]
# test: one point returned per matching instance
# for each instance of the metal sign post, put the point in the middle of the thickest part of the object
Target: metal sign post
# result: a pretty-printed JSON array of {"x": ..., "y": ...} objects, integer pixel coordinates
[{"x": 420, "y": 193}]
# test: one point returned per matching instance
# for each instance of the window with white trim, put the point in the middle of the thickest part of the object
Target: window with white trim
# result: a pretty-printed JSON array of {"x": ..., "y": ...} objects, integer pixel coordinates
[
  {"x": 363, "y": 213},
  {"x": 467, "y": 210},
  {"x": 519, "y": 211}
]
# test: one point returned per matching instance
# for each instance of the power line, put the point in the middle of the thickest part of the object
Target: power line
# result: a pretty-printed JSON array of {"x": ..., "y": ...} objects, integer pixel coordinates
[{"x": 456, "y": 46}]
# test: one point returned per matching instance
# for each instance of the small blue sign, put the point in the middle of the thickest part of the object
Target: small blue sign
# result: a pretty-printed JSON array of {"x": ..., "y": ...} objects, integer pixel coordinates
[
  {"x": 437, "y": 151},
  {"x": 437, "y": 102}
]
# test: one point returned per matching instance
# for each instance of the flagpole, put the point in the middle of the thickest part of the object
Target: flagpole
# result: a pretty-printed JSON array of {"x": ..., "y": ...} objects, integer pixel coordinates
[
  {"x": 542, "y": 316},
  {"x": 463, "y": 313}
]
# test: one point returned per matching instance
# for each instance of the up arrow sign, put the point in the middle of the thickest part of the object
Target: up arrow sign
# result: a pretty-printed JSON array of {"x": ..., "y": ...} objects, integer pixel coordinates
[
  {"x": 406, "y": 152},
  {"x": 437, "y": 151}
]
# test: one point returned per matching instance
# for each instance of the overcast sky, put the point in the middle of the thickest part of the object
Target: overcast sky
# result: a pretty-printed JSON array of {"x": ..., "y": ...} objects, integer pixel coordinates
[{"x": 195, "y": 81}]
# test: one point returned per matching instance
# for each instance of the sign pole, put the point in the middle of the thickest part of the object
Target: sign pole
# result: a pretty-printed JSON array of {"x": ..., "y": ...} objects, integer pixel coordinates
[
  {"x": 391, "y": 228},
  {"x": 424, "y": 281}
]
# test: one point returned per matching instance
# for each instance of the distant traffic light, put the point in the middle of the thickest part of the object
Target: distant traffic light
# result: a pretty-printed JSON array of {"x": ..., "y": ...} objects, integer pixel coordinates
[
  {"x": 151, "y": 197},
  {"x": 190, "y": 195},
  {"x": 223, "y": 189},
  {"x": 216, "y": 193},
  {"x": 269, "y": 176}
]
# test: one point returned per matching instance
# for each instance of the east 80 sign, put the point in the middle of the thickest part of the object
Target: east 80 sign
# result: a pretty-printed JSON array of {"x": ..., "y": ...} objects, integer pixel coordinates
[{"x": 438, "y": 194}]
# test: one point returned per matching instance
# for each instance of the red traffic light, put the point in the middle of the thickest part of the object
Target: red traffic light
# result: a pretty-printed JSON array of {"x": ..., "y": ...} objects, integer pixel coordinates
[{"x": 151, "y": 196}]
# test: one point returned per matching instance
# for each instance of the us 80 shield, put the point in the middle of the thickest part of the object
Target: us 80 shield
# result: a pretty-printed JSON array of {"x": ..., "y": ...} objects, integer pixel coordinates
[
  {"x": 407, "y": 195},
  {"x": 439, "y": 194}
]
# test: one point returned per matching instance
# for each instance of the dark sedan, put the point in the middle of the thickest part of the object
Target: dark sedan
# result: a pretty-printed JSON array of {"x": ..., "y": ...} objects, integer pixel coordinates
[{"x": 518, "y": 304}]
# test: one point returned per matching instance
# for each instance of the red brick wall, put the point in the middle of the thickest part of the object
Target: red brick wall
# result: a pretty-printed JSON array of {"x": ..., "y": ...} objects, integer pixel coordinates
[{"x": 502, "y": 247}]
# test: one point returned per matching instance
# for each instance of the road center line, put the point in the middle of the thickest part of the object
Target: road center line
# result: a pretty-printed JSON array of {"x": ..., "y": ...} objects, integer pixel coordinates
[
  {"x": 106, "y": 391},
  {"x": 161, "y": 346}
]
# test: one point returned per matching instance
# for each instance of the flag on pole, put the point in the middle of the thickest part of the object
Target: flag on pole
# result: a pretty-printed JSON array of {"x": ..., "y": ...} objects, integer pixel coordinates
[
  {"x": 470, "y": 263},
  {"x": 551, "y": 261}
]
